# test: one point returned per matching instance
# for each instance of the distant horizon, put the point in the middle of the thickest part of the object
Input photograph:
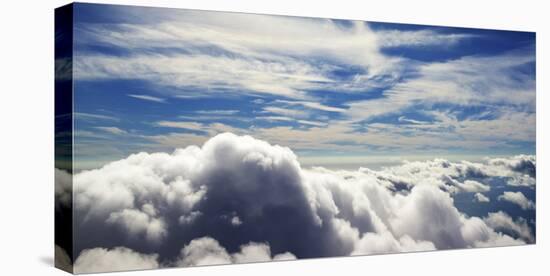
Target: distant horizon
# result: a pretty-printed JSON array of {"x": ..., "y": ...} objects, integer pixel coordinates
[{"x": 336, "y": 161}]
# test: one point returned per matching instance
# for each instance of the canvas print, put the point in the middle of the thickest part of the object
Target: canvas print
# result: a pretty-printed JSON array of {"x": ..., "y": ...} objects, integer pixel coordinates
[{"x": 190, "y": 138}]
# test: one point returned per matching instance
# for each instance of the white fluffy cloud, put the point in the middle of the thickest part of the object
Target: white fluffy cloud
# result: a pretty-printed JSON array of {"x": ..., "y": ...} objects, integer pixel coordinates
[
  {"x": 208, "y": 251},
  {"x": 63, "y": 188},
  {"x": 461, "y": 176},
  {"x": 479, "y": 197},
  {"x": 429, "y": 214},
  {"x": 204, "y": 205},
  {"x": 473, "y": 186},
  {"x": 479, "y": 234},
  {"x": 503, "y": 221},
  {"x": 62, "y": 259},
  {"x": 525, "y": 164},
  {"x": 139, "y": 222},
  {"x": 203, "y": 251},
  {"x": 384, "y": 243},
  {"x": 129, "y": 193},
  {"x": 116, "y": 259},
  {"x": 517, "y": 198},
  {"x": 520, "y": 169}
]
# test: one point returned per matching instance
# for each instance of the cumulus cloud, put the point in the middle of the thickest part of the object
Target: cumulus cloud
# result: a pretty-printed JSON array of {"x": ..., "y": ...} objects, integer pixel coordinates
[
  {"x": 258, "y": 252},
  {"x": 203, "y": 251},
  {"x": 116, "y": 259},
  {"x": 62, "y": 259},
  {"x": 479, "y": 197},
  {"x": 139, "y": 222},
  {"x": 521, "y": 168},
  {"x": 504, "y": 222},
  {"x": 517, "y": 198},
  {"x": 128, "y": 194},
  {"x": 429, "y": 214},
  {"x": 479, "y": 234},
  {"x": 187, "y": 219},
  {"x": 236, "y": 221},
  {"x": 240, "y": 199},
  {"x": 383, "y": 243},
  {"x": 63, "y": 188},
  {"x": 473, "y": 186},
  {"x": 525, "y": 164},
  {"x": 208, "y": 251},
  {"x": 455, "y": 177}
]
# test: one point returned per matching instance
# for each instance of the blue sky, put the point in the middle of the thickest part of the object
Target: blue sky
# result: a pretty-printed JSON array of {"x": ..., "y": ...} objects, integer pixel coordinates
[{"x": 159, "y": 79}]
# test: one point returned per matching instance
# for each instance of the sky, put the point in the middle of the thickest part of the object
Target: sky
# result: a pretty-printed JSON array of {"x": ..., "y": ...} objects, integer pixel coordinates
[
  {"x": 205, "y": 138},
  {"x": 339, "y": 93}
]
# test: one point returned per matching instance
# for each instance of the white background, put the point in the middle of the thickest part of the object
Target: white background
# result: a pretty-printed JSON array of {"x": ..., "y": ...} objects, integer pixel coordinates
[{"x": 26, "y": 131}]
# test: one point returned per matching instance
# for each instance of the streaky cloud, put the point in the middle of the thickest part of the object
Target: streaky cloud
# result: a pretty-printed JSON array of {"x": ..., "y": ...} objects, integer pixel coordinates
[{"x": 147, "y": 98}]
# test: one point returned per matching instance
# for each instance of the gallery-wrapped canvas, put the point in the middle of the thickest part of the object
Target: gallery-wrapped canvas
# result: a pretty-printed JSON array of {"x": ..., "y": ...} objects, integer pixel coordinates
[{"x": 189, "y": 138}]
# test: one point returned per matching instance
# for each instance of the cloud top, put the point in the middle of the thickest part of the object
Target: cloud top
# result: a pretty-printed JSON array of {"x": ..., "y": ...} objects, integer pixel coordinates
[
  {"x": 517, "y": 198},
  {"x": 238, "y": 199},
  {"x": 116, "y": 259}
]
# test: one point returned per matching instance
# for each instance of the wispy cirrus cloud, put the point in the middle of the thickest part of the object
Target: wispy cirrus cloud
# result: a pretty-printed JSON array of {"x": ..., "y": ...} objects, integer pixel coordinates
[
  {"x": 147, "y": 98},
  {"x": 395, "y": 38},
  {"x": 289, "y": 112},
  {"x": 111, "y": 130},
  {"x": 312, "y": 105},
  {"x": 91, "y": 116},
  {"x": 472, "y": 80},
  {"x": 319, "y": 83},
  {"x": 301, "y": 55},
  {"x": 217, "y": 112}
]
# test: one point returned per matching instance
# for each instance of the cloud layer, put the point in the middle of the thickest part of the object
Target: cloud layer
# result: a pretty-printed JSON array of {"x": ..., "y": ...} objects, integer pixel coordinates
[
  {"x": 238, "y": 199},
  {"x": 312, "y": 84}
]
